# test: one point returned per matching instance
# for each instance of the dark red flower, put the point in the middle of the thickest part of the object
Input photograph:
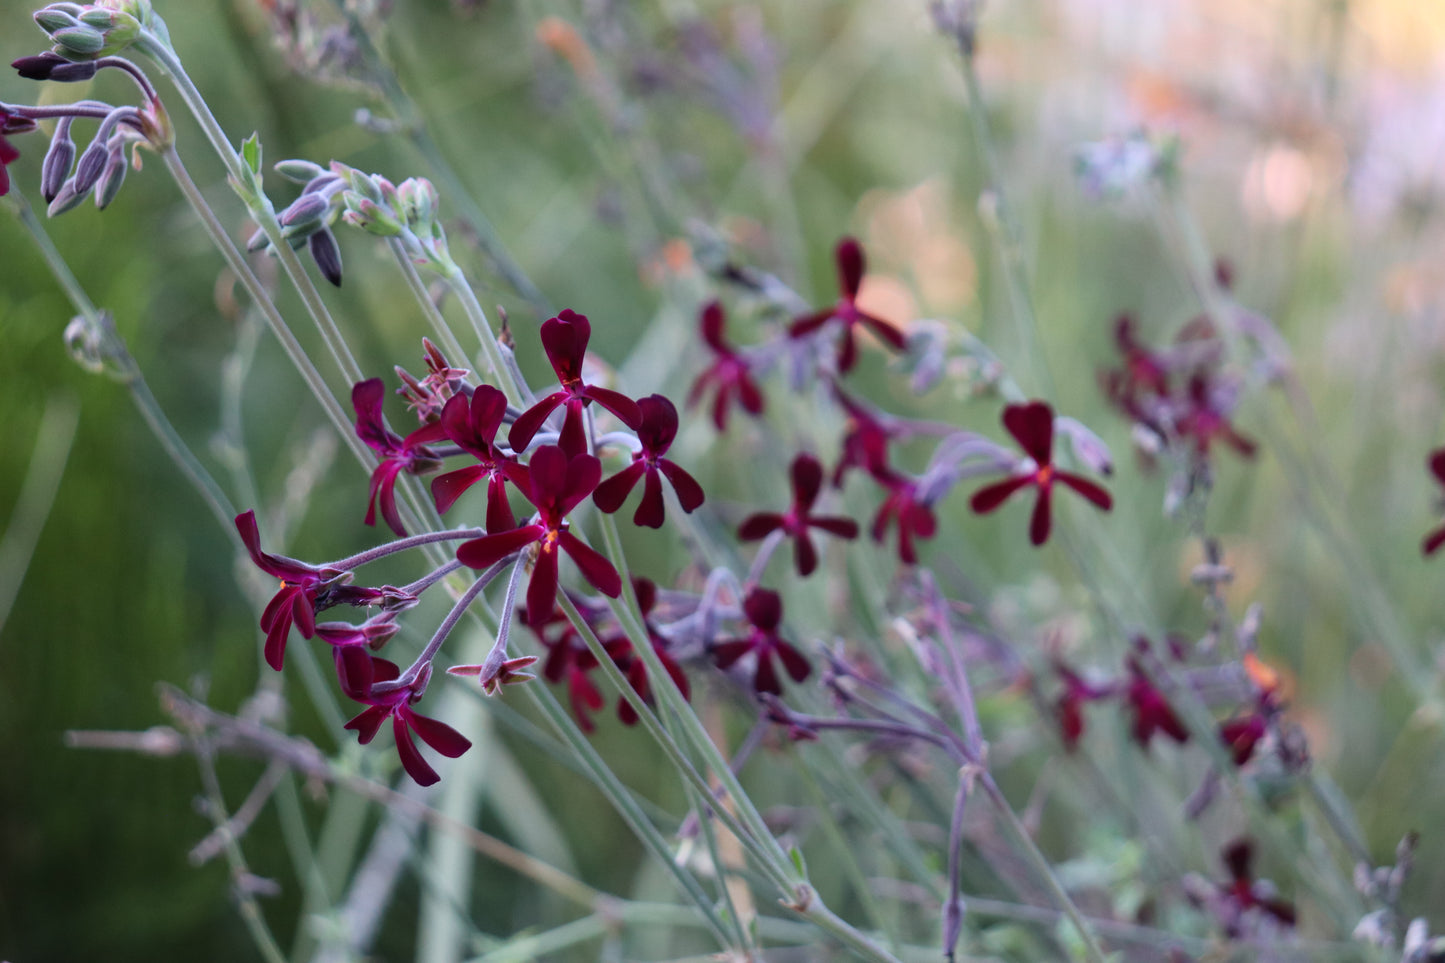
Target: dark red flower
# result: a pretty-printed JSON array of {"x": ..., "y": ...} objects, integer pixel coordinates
[
  {"x": 565, "y": 340},
  {"x": 1143, "y": 377},
  {"x": 569, "y": 659},
  {"x": 1204, "y": 419},
  {"x": 1032, "y": 426},
  {"x": 730, "y": 372},
  {"x": 396, "y": 706},
  {"x": 1243, "y": 895},
  {"x": 865, "y": 440},
  {"x": 349, "y": 647},
  {"x": 764, "y": 611},
  {"x": 1435, "y": 539},
  {"x": 655, "y": 430},
  {"x": 902, "y": 507},
  {"x": 298, "y": 599},
  {"x": 472, "y": 424},
  {"x": 555, "y": 484},
  {"x": 850, "y": 260},
  {"x": 1069, "y": 707},
  {"x": 807, "y": 476},
  {"x": 398, "y": 454},
  {"x": 1152, "y": 712}
]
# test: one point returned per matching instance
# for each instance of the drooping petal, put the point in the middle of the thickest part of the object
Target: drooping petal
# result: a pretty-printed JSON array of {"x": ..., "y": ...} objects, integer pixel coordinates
[
  {"x": 766, "y": 677},
  {"x": 1039, "y": 521},
  {"x": 611, "y": 493},
  {"x": 366, "y": 399},
  {"x": 990, "y": 497},
  {"x": 368, "y": 723},
  {"x": 689, "y": 493},
  {"x": 885, "y": 331},
  {"x": 383, "y": 495},
  {"x": 1433, "y": 541},
  {"x": 793, "y": 661},
  {"x": 277, "y": 635},
  {"x": 847, "y": 351},
  {"x": 593, "y": 565},
  {"x": 548, "y": 470},
  {"x": 835, "y": 525},
  {"x": 440, "y": 736},
  {"x": 480, "y": 553},
  {"x": 809, "y": 323},
  {"x": 499, "y": 509},
  {"x": 447, "y": 488},
  {"x": 805, "y": 554},
  {"x": 542, "y": 590},
  {"x": 416, "y": 767},
  {"x": 1032, "y": 426},
  {"x": 1088, "y": 489},
  {"x": 651, "y": 511}
]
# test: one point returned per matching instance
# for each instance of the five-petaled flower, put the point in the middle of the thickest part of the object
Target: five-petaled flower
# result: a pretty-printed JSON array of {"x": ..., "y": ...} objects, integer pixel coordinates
[
  {"x": 903, "y": 507},
  {"x": 764, "y": 611},
  {"x": 807, "y": 476},
  {"x": 1244, "y": 896},
  {"x": 849, "y": 257},
  {"x": 565, "y": 340},
  {"x": 398, "y": 454},
  {"x": 865, "y": 441},
  {"x": 396, "y": 705},
  {"x": 1069, "y": 706},
  {"x": 569, "y": 659},
  {"x": 1436, "y": 538},
  {"x": 730, "y": 373},
  {"x": 655, "y": 431},
  {"x": 555, "y": 484},
  {"x": 472, "y": 424},
  {"x": 297, "y": 601},
  {"x": 1032, "y": 426}
]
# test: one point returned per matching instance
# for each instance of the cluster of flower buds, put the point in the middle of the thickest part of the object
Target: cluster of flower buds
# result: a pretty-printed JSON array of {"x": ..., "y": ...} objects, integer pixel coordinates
[{"x": 89, "y": 31}]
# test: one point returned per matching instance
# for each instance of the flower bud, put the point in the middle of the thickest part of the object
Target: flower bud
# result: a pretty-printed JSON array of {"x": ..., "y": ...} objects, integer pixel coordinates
[
  {"x": 81, "y": 40},
  {"x": 326, "y": 255},
  {"x": 56, "y": 17},
  {"x": 111, "y": 177},
  {"x": 370, "y": 217},
  {"x": 65, "y": 200},
  {"x": 91, "y": 163},
  {"x": 299, "y": 171},
  {"x": 58, "y": 160},
  {"x": 304, "y": 215},
  {"x": 51, "y": 66}
]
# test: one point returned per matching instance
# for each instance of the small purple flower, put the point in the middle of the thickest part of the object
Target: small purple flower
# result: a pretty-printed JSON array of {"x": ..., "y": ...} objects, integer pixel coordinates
[
  {"x": 656, "y": 431},
  {"x": 565, "y": 340},
  {"x": 1069, "y": 706},
  {"x": 851, "y": 266},
  {"x": 1152, "y": 712},
  {"x": 902, "y": 507},
  {"x": 730, "y": 372},
  {"x": 764, "y": 611},
  {"x": 1244, "y": 896},
  {"x": 865, "y": 440},
  {"x": 396, "y": 706},
  {"x": 555, "y": 484},
  {"x": 473, "y": 425},
  {"x": 807, "y": 477},
  {"x": 295, "y": 602},
  {"x": 1032, "y": 426},
  {"x": 398, "y": 454}
]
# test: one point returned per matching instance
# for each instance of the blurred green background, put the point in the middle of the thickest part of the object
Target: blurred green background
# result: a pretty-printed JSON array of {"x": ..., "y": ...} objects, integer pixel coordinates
[{"x": 1311, "y": 133}]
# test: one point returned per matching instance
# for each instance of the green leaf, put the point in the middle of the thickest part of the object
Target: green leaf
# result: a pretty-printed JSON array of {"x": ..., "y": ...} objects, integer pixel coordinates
[{"x": 251, "y": 153}]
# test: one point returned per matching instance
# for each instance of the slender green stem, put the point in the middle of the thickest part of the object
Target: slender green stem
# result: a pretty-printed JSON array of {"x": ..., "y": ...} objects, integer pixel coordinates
[
  {"x": 491, "y": 351},
  {"x": 423, "y": 298},
  {"x": 1061, "y": 897}
]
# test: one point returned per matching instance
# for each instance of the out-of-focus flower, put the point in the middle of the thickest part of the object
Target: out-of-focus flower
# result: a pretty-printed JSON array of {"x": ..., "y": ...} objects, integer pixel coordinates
[
  {"x": 730, "y": 373},
  {"x": 655, "y": 430},
  {"x": 1436, "y": 538},
  {"x": 851, "y": 266},
  {"x": 764, "y": 611},
  {"x": 807, "y": 477}
]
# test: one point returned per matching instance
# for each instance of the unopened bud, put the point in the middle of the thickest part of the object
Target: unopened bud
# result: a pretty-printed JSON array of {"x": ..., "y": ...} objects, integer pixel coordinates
[
  {"x": 52, "y": 66},
  {"x": 419, "y": 200},
  {"x": 80, "y": 39},
  {"x": 55, "y": 17},
  {"x": 326, "y": 255},
  {"x": 111, "y": 178},
  {"x": 91, "y": 164},
  {"x": 67, "y": 198},
  {"x": 304, "y": 215},
  {"x": 58, "y": 160},
  {"x": 371, "y": 217},
  {"x": 299, "y": 171}
]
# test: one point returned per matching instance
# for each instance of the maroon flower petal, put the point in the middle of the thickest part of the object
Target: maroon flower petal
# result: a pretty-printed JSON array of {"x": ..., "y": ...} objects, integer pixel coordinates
[
  {"x": 805, "y": 554},
  {"x": 797, "y": 666},
  {"x": 651, "y": 512},
  {"x": 1039, "y": 521},
  {"x": 748, "y": 394},
  {"x": 657, "y": 424},
  {"x": 1032, "y": 426},
  {"x": 529, "y": 422},
  {"x": 764, "y": 608},
  {"x": 440, "y": 736},
  {"x": 611, "y": 493},
  {"x": 620, "y": 405},
  {"x": 759, "y": 526},
  {"x": 542, "y": 590},
  {"x": 1088, "y": 489},
  {"x": 583, "y": 473},
  {"x": 726, "y": 653},
  {"x": 835, "y": 525},
  {"x": 277, "y": 635},
  {"x": 851, "y": 266},
  {"x": 367, "y": 397},
  {"x": 499, "y": 509},
  {"x": 1437, "y": 465},
  {"x": 383, "y": 491},
  {"x": 594, "y": 566},
  {"x": 446, "y": 489},
  {"x": 809, "y": 323},
  {"x": 479, "y": 553},
  {"x": 884, "y": 330},
  {"x": 411, "y": 760},
  {"x": 766, "y": 678},
  {"x": 368, "y": 723},
  {"x": 807, "y": 475},
  {"x": 565, "y": 338},
  {"x": 689, "y": 492},
  {"x": 711, "y": 322},
  {"x": 847, "y": 351},
  {"x": 1433, "y": 541},
  {"x": 990, "y": 497},
  {"x": 548, "y": 477}
]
